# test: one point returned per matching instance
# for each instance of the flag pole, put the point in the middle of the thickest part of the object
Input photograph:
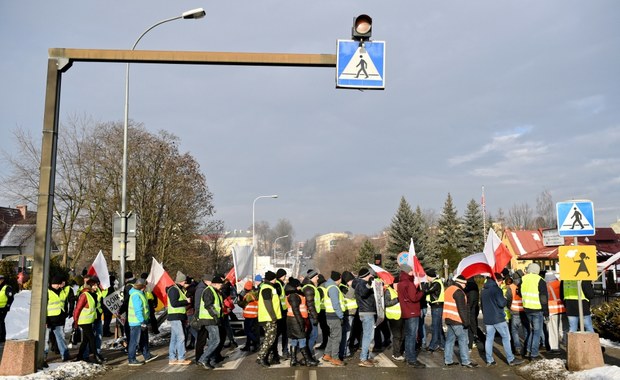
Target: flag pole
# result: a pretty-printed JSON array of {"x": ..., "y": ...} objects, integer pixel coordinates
[{"x": 484, "y": 217}]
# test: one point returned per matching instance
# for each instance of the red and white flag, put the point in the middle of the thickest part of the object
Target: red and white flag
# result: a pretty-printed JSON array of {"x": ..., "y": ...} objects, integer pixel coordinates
[
  {"x": 100, "y": 269},
  {"x": 419, "y": 274},
  {"x": 496, "y": 252},
  {"x": 158, "y": 280},
  {"x": 231, "y": 276},
  {"x": 475, "y": 264},
  {"x": 382, "y": 274}
]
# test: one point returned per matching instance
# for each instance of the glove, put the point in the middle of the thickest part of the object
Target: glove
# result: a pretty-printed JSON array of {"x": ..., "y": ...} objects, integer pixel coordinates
[
  {"x": 341, "y": 321},
  {"x": 143, "y": 327},
  {"x": 546, "y": 319}
]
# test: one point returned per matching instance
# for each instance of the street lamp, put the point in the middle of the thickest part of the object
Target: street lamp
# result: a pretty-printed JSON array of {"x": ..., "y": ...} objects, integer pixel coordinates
[
  {"x": 274, "y": 245},
  {"x": 191, "y": 14},
  {"x": 254, "y": 228}
]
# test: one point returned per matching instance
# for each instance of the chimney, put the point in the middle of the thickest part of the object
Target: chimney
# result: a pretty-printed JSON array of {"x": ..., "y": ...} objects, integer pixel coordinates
[{"x": 23, "y": 209}]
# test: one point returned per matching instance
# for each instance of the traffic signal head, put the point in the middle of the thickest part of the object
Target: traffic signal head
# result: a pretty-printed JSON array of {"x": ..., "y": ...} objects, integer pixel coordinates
[{"x": 362, "y": 27}]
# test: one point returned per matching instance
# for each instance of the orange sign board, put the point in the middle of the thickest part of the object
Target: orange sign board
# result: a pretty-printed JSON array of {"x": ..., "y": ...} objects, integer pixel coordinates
[{"x": 577, "y": 262}]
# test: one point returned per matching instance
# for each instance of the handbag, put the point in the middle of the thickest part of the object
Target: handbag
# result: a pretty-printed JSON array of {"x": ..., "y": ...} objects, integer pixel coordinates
[
  {"x": 194, "y": 322},
  {"x": 76, "y": 336}
]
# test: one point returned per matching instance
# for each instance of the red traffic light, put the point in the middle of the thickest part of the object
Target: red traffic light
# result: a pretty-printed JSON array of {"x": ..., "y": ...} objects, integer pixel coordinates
[{"x": 362, "y": 27}]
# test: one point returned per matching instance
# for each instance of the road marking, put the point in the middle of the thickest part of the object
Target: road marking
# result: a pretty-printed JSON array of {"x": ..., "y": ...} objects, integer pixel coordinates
[
  {"x": 174, "y": 368},
  {"x": 384, "y": 361},
  {"x": 234, "y": 361},
  {"x": 312, "y": 374}
]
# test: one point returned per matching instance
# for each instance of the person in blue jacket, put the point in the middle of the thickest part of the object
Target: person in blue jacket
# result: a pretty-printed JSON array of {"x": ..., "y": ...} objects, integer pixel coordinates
[{"x": 138, "y": 317}]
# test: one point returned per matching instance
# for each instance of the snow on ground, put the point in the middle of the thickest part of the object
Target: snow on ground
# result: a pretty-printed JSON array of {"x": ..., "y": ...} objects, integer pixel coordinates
[{"x": 17, "y": 328}]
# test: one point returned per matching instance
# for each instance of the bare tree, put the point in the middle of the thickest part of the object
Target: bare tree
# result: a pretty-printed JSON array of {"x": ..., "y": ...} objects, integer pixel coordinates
[
  {"x": 520, "y": 217},
  {"x": 545, "y": 210}
]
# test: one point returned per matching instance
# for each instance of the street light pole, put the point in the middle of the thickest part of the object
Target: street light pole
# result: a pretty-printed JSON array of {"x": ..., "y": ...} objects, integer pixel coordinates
[
  {"x": 192, "y": 14},
  {"x": 254, "y": 229},
  {"x": 274, "y": 245}
]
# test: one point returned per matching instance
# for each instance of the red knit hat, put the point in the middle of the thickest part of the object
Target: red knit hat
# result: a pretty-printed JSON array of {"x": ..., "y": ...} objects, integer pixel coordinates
[{"x": 248, "y": 285}]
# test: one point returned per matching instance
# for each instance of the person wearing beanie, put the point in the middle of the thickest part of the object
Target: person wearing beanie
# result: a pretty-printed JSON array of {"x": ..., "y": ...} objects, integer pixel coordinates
[
  {"x": 472, "y": 292},
  {"x": 152, "y": 303},
  {"x": 557, "y": 312},
  {"x": 366, "y": 307},
  {"x": 177, "y": 315},
  {"x": 533, "y": 291},
  {"x": 456, "y": 318},
  {"x": 297, "y": 315},
  {"x": 515, "y": 308},
  {"x": 350, "y": 306},
  {"x": 282, "y": 329},
  {"x": 435, "y": 291},
  {"x": 210, "y": 316},
  {"x": 334, "y": 314},
  {"x": 127, "y": 286},
  {"x": 313, "y": 302},
  {"x": 493, "y": 303},
  {"x": 248, "y": 301},
  {"x": 56, "y": 317},
  {"x": 269, "y": 311},
  {"x": 393, "y": 318},
  {"x": 322, "y": 319},
  {"x": 84, "y": 316},
  {"x": 409, "y": 296}
]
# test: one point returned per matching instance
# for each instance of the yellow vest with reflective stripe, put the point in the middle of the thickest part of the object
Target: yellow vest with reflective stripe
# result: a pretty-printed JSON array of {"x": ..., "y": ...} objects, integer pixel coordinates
[
  {"x": 441, "y": 294},
  {"x": 349, "y": 303},
  {"x": 131, "y": 313},
  {"x": 3, "y": 298},
  {"x": 282, "y": 295},
  {"x": 101, "y": 294},
  {"x": 55, "y": 304},
  {"x": 263, "y": 314},
  {"x": 317, "y": 297},
  {"x": 450, "y": 310},
  {"x": 571, "y": 292},
  {"x": 217, "y": 305},
  {"x": 88, "y": 314},
  {"x": 182, "y": 297},
  {"x": 529, "y": 291},
  {"x": 329, "y": 307},
  {"x": 393, "y": 312}
]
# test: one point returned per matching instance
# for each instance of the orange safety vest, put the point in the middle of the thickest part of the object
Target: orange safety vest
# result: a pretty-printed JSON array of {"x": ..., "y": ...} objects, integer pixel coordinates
[
  {"x": 303, "y": 308},
  {"x": 450, "y": 310},
  {"x": 556, "y": 306},
  {"x": 251, "y": 309},
  {"x": 517, "y": 301}
]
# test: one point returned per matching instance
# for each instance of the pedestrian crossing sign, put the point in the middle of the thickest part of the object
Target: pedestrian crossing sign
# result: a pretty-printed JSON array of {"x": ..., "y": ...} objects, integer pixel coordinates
[
  {"x": 575, "y": 218},
  {"x": 577, "y": 262},
  {"x": 360, "y": 64}
]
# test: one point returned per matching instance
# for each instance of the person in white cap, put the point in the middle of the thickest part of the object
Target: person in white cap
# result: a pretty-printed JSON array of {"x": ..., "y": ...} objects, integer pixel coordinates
[{"x": 533, "y": 290}]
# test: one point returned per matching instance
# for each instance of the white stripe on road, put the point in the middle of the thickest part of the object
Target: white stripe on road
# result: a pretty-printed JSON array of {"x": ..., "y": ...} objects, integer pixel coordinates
[
  {"x": 383, "y": 361},
  {"x": 234, "y": 361},
  {"x": 312, "y": 375}
]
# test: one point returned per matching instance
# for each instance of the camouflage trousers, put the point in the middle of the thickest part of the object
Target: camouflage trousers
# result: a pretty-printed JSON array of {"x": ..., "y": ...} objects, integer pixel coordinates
[{"x": 271, "y": 330}]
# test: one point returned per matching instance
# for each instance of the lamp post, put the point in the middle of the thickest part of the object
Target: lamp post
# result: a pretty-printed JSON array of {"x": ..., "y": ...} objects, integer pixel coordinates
[
  {"x": 191, "y": 14},
  {"x": 254, "y": 228},
  {"x": 274, "y": 245}
]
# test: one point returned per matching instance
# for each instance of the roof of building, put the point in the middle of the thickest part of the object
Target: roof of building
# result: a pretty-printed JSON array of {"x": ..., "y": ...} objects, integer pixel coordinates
[
  {"x": 17, "y": 235},
  {"x": 607, "y": 243},
  {"x": 524, "y": 241},
  {"x": 14, "y": 216}
]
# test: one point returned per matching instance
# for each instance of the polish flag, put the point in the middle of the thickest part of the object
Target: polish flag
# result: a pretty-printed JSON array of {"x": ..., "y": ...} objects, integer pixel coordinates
[
  {"x": 496, "y": 252},
  {"x": 475, "y": 264},
  {"x": 158, "y": 280},
  {"x": 100, "y": 269},
  {"x": 231, "y": 276},
  {"x": 419, "y": 275},
  {"x": 382, "y": 273}
]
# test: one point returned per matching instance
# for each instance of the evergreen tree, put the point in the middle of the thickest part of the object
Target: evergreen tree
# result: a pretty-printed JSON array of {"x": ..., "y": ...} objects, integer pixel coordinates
[
  {"x": 432, "y": 252},
  {"x": 419, "y": 236},
  {"x": 472, "y": 229},
  {"x": 366, "y": 255},
  {"x": 399, "y": 234},
  {"x": 449, "y": 234}
]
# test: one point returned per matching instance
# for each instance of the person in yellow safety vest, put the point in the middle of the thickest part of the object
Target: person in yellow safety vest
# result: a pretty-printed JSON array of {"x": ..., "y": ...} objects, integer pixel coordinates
[
  {"x": 334, "y": 314},
  {"x": 297, "y": 315},
  {"x": 177, "y": 316},
  {"x": 152, "y": 301},
  {"x": 269, "y": 311},
  {"x": 84, "y": 316},
  {"x": 517, "y": 314},
  {"x": 322, "y": 319},
  {"x": 313, "y": 300},
  {"x": 137, "y": 317},
  {"x": 279, "y": 285},
  {"x": 210, "y": 311},
  {"x": 435, "y": 297},
  {"x": 249, "y": 303},
  {"x": 56, "y": 317},
  {"x": 533, "y": 291},
  {"x": 557, "y": 313},
  {"x": 456, "y": 317},
  {"x": 6, "y": 299},
  {"x": 393, "y": 314},
  {"x": 569, "y": 293},
  {"x": 350, "y": 305}
]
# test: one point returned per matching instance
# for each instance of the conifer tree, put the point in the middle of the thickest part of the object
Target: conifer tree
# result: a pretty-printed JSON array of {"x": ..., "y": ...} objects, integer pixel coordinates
[
  {"x": 365, "y": 255},
  {"x": 472, "y": 229},
  {"x": 449, "y": 234},
  {"x": 399, "y": 234}
]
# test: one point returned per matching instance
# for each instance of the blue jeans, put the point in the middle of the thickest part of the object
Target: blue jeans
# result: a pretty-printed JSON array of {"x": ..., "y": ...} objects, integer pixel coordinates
[
  {"x": 532, "y": 342},
  {"x": 313, "y": 335},
  {"x": 515, "y": 329},
  {"x": 456, "y": 332},
  {"x": 368, "y": 331},
  {"x": 301, "y": 343},
  {"x": 212, "y": 342},
  {"x": 502, "y": 329},
  {"x": 422, "y": 327},
  {"x": 346, "y": 330},
  {"x": 59, "y": 333},
  {"x": 176, "y": 349},
  {"x": 411, "y": 334},
  {"x": 137, "y": 336},
  {"x": 573, "y": 323},
  {"x": 437, "y": 339}
]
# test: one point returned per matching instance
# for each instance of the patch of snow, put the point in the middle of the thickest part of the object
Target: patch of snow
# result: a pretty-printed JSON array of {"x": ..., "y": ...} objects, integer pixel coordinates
[
  {"x": 608, "y": 372},
  {"x": 66, "y": 371}
]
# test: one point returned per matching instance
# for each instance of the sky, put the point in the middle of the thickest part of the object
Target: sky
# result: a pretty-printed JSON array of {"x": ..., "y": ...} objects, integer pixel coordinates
[{"x": 516, "y": 96}]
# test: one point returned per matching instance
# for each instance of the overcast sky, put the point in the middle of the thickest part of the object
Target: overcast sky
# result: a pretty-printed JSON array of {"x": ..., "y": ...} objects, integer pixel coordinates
[{"x": 518, "y": 96}]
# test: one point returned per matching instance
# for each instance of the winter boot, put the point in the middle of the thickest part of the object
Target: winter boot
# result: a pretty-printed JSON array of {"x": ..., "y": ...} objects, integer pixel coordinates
[
  {"x": 293, "y": 354},
  {"x": 310, "y": 361}
]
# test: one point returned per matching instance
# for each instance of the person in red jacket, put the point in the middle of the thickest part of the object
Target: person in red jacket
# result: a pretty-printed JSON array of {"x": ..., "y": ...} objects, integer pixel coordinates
[
  {"x": 409, "y": 296},
  {"x": 84, "y": 316}
]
